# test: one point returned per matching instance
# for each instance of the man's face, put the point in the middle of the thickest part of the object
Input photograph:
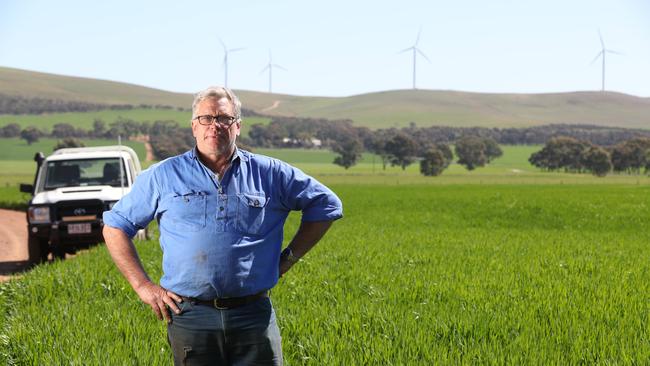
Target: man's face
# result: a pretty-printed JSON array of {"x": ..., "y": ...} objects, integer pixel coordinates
[{"x": 214, "y": 139}]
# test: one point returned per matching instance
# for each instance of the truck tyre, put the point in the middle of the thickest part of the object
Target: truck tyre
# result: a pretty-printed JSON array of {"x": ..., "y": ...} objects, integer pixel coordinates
[
  {"x": 38, "y": 250},
  {"x": 58, "y": 253}
]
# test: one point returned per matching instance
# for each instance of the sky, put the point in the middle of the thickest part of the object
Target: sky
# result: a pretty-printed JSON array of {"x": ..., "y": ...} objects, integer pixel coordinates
[{"x": 335, "y": 48}]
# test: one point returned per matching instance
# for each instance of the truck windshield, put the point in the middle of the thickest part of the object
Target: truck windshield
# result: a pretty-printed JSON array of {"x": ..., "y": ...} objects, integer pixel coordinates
[{"x": 84, "y": 172}]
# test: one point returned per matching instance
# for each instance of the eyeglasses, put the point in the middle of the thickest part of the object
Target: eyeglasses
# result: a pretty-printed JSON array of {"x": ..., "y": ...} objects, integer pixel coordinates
[{"x": 222, "y": 120}]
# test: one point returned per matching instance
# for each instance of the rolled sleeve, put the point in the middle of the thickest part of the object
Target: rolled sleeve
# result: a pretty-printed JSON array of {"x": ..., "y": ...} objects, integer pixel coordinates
[
  {"x": 113, "y": 219},
  {"x": 304, "y": 193},
  {"x": 136, "y": 209}
]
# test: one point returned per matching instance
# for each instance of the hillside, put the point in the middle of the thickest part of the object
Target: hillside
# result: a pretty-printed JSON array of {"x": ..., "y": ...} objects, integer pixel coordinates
[
  {"x": 375, "y": 110},
  {"x": 32, "y": 84}
]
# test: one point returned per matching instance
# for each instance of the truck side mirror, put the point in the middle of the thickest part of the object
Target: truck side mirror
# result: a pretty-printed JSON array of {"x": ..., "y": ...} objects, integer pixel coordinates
[{"x": 27, "y": 188}]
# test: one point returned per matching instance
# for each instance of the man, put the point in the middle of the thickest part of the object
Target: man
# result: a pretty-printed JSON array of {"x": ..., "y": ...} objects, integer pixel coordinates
[{"x": 221, "y": 212}]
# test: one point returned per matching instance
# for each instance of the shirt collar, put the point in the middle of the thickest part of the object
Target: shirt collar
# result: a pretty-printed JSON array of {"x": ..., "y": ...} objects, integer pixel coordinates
[{"x": 238, "y": 154}]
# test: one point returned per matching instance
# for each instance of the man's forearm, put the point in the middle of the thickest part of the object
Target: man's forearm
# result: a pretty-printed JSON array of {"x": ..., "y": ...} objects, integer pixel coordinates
[
  {"x": 127, "y": 261},
  {"x": 309, "y": 233},
  {"x": 125, "y": 256},
  {"x": 307, "y": 236}
]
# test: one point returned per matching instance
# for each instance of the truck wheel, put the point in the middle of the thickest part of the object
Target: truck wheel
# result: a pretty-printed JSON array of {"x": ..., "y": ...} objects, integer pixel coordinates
[
  {"x": 38, "y": 250},
  {"x": 58, "y": 253}
]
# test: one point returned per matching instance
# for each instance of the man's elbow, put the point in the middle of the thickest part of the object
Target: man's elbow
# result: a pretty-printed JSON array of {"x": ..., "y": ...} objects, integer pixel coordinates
[{"x": 112, "y": 233}]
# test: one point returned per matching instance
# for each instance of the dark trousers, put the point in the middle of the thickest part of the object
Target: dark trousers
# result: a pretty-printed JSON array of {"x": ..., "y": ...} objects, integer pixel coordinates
[{"x": 246, "y": 335}]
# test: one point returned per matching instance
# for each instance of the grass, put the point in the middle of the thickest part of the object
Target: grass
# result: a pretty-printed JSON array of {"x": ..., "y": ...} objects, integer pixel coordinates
[
  {"x": 11, "y": 198},
  {"x": 455, "y": 274},
  {"x": 511, "y": 169}
]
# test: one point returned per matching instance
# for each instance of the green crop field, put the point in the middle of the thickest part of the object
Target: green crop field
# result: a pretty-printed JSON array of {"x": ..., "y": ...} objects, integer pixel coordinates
[
  {"x": 413, "y": 274},
  {"x": 501, "y": 265},
  {"x": 85, "y": 120}
]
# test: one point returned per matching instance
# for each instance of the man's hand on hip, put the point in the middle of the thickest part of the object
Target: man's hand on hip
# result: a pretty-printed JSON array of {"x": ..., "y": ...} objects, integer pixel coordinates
[{"x": 159, "y": 298}]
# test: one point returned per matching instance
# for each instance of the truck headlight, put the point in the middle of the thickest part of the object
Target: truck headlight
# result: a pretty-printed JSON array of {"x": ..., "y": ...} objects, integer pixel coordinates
[{"x": 39, "y": 215}]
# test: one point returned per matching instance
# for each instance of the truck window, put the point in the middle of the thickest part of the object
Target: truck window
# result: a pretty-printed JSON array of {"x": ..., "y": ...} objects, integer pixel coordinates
[{"x": 85, "y": 172}]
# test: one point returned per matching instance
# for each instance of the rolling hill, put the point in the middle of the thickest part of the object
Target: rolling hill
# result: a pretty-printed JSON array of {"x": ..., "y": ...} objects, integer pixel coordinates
[{"x": 375, "y": 110}]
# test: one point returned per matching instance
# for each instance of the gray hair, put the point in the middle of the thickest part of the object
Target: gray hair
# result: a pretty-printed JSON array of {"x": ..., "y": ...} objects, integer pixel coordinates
[{"x": 217, "y": 92}]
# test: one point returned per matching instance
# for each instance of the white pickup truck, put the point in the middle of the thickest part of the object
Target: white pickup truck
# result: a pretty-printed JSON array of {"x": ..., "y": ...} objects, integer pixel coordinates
[{"x": 71, "y": 190}]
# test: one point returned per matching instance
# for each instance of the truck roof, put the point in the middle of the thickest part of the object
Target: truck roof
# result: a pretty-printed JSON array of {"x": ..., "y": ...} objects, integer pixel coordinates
[{"x": 96, "y": 152}]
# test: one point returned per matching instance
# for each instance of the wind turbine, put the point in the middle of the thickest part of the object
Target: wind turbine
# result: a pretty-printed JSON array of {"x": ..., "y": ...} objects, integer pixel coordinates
[
  {"x": 270, "y": 67},
  {"x": 226, "y": 51},
  {"x": 602, "y": 53},
  {"x": 415, "y": 50}
]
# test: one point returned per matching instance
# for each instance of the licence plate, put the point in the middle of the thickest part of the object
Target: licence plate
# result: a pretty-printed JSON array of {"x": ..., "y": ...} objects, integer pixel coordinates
[{"x": 79, "y": 228}]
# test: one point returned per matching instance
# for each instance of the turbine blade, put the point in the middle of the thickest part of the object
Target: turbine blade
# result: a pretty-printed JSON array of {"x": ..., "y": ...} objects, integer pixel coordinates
[
  {"x": 596, "y": 58},
  {"x": 614, "y": 52},
  {"x": 404, "y": 50},
  {"x": 423, "y": 55},
  {"x": 223, "y": 44},
  {"x": 265, "y": 68},
  {"x": 236, "y": 49},
  {"x": 279, "y": 67},
  {"x": 602, "y": 43},
  {"x": 418, "y": 37}
]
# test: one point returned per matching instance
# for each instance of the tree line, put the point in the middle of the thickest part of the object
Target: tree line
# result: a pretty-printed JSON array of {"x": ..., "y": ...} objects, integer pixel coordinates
[
  {"x": 580, "y": 156},
  {"x": 15, "y": 104},
  {"x": 301, "y": 132},
  {"x": 474, "y": 147}
]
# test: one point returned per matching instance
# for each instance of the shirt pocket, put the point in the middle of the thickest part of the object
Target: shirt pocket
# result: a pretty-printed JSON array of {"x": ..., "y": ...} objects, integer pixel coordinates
[
  {"x": 251, "y": 209},
  {"x": 187, "y": 211}
]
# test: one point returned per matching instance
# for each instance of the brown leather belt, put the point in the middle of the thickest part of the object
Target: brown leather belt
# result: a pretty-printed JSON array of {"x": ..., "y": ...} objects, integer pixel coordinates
[{"x": 228, "y": 302}]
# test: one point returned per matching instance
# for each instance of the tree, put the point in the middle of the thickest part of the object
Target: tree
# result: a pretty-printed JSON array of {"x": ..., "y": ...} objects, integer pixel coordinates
[
  {"x": 446, "y": 152},
  {"x": 167, "y": 139},
  {"x": 561, "y": 152},
  {"x": 123, "y": 127},
  {"x": 597, "y": 160},
  {"x": 31, "y": 134},
  {"x": 10, "y": 130},
  {"x": 631, "y": 155},
  {"x": 68, "y": 142},
  {"x": 471, "y": 152},
  {"x": 99, "y": 127},
  {"x": 492, "y": 149},
  {"x": 63, "y": 130},
  {"x": 377, "y": 145},
  {"x": 349, "y": 150},
  {"x": 402, "y": 150},
  {"x": 433, "y": 162}
]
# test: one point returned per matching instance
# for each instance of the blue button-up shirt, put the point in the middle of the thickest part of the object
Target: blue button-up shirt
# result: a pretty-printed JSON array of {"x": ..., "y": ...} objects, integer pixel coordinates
[{"x": 221, "y": 237}]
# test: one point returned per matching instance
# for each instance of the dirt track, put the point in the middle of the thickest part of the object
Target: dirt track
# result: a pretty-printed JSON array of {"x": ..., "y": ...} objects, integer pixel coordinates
[{"x": 13, "y": 242}]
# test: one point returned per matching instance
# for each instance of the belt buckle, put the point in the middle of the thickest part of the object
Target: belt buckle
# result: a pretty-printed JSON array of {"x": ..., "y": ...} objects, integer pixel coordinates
[{"x": 216, "y": 305}]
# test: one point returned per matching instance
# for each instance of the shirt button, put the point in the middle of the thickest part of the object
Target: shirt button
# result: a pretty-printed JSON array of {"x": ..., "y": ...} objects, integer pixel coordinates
[
  {"x": 256, "y": 203},
  {"x": 221, "y": 208}
]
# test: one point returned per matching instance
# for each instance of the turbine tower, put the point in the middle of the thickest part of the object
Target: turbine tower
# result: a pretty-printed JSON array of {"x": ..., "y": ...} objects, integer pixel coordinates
[
  {"x": 602, "y": 53},
  {"x": 270, "y": 67},
  {"x": 226, "y": 51},
  {"x": 415, "y": 50}
]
